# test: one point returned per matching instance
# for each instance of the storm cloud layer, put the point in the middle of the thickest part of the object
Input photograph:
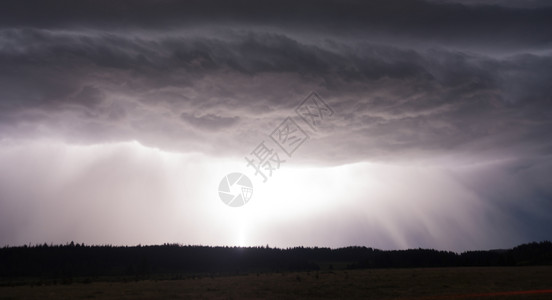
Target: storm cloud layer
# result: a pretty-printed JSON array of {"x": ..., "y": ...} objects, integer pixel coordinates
[{"x": 457, "y": 86}]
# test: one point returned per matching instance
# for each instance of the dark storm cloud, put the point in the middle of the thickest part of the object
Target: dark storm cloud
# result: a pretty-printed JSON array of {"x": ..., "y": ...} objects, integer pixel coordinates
[
  {"x": 416, "y": 77},
  {"x": 501, "y": 3},
  {"x": 405, "y": 100},
  {"x": 490, "y": 25}
]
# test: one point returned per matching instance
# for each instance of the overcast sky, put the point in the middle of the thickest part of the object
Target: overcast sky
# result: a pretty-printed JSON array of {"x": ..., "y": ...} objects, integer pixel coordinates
[{"x": 119, "y": 119}]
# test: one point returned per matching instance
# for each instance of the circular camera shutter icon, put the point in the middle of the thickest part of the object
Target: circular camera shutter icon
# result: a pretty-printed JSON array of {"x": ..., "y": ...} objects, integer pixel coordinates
[{"x": 235, "y": 189}]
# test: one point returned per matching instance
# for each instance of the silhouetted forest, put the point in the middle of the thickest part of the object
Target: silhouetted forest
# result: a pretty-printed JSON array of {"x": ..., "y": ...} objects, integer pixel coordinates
[{"x": 65, "y": 262}]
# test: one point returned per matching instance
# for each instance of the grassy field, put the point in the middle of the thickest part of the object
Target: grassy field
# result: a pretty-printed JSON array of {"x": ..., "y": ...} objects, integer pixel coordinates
[{"x": 445, "y": 283}]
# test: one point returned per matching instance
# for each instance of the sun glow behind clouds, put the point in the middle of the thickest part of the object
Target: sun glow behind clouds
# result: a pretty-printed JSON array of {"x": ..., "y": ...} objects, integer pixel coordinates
[{"x": 126, "y": 193}]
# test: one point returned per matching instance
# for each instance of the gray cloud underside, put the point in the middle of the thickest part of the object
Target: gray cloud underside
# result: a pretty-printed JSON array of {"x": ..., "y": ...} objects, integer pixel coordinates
[
  {"x": 416, "y": 80},
  {"x": 182, "y": 91}
]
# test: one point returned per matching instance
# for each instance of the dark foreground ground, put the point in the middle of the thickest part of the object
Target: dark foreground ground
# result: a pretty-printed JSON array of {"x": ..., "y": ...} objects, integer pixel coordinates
[{"x": 438, "y": 283}]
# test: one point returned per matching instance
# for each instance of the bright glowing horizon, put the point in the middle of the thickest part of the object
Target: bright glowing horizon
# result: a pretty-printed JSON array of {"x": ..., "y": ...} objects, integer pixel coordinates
[{"x": 149, "y": 196}]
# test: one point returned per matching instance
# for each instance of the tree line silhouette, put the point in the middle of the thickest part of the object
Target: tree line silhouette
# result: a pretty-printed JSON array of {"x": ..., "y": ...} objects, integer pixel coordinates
[{"x": 65, "y": 262}]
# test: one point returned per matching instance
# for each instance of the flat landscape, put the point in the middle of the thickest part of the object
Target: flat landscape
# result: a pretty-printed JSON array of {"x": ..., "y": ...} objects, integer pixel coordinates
[{"x": 427, "y": 283}]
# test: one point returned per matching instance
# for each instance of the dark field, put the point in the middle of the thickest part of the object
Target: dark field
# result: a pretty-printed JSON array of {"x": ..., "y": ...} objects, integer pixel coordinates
[{"x": 433, "y": 283}]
